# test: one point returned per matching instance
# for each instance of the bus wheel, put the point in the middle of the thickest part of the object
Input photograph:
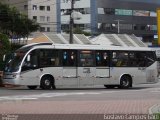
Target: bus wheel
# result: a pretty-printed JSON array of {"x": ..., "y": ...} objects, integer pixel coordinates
[
  {"x": 53, "y": 87},
  {"x": 125, "y": 82},
  {"x": 46, "y": 83},
  {"x": 32, "y": 87}
]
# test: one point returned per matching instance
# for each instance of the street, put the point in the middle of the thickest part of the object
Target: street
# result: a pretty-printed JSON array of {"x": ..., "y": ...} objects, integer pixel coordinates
[
  {"x": 137, "y": 100},
  {"x": 138, "y": 92}
]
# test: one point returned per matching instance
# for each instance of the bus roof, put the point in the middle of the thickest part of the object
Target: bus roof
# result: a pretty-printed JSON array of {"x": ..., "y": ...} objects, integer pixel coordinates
[{"x": 87, "y": 47}]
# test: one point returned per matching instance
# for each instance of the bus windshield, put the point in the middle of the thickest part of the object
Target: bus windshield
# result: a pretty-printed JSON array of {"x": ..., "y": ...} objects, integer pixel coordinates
[{"x": 14, "y": 61}]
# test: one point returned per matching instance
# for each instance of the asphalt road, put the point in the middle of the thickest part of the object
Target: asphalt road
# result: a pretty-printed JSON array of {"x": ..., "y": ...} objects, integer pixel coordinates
[
  {"x": 144, "y": 91},
  {"x": 95, "y": 101}
]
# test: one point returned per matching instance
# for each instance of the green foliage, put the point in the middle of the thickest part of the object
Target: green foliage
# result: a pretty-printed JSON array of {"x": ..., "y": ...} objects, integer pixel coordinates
[
  {"x": 15, "y": 24},
  {"x": 4, "y": 48}
]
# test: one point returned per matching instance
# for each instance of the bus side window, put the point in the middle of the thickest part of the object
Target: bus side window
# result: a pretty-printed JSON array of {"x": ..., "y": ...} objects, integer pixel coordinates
[
  {"x": 54, "y": 58},
  {"x": 69, "y": 57},
  {"x": 141, "y": 60},
  {"x": 114, "y": 59},
  {"x": 120, "y": 59},
  {"x": 102, "y": 58},
  {"x": 86, "y": 58},
  {"x": 49, "y": 58},
  {"x": 150, "y": 58}
]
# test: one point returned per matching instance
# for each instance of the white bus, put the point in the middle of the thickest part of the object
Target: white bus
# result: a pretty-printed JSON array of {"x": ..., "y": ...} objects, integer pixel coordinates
[{"x": 47, "y": 66}]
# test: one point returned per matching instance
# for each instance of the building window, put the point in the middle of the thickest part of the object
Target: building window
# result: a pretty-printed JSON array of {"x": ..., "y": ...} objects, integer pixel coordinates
[
  {"x": 25, "y": 7},
  {"x": 35, "y": 18},
  {"x": 153, "y": 14},
  {"x": 65, "y": 11},
  {"x": 42, "y": 18},
  {"x": 100, "y": 11},
  {"x": 153, "y": 27},
  {"x": 34, "y": 7},
  {"x": 48, "y": 19},
  {"x": 48, "y": 29},
  {"x": 81, "y": 10},
  {"x": 42, "y": 29},
  {"x": 126, "y": 26},
  {"x": 65, "y": 27},
  {"x": 109, "y": 11},
  {"x": 48, "y": 8},
  {"x": 42, "y": 8},
  {"x": 87, "y": 10}
]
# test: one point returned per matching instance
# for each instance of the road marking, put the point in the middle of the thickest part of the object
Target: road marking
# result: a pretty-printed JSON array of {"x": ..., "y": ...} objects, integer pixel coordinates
[{"x": 48, "y": 95}]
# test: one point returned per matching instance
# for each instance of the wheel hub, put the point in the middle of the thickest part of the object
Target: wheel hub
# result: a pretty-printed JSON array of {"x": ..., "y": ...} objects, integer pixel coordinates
[{"x": 47, "y": 82}]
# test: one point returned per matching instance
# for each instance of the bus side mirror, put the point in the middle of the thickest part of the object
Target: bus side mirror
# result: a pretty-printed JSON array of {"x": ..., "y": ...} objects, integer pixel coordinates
[
  {"x": 4, "y": 58},
  {"x": 28, "y": 58}
]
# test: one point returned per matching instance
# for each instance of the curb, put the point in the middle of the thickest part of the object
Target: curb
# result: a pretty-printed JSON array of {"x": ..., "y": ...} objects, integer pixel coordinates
[{"x": 154, "y": 109}]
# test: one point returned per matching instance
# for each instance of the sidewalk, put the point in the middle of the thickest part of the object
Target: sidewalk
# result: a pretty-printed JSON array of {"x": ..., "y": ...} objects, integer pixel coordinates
[{"x": 78, "y": 107}]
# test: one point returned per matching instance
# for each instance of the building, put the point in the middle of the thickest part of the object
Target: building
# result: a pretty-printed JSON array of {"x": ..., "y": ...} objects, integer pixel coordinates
[
  {"x": 113, "y": 16},
  {"x": 42, "y": 11},
  {"x": 65, "y": 10}
]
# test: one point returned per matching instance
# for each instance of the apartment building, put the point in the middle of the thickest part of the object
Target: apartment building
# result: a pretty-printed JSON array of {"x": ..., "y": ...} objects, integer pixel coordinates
[{"x": 42, "y": 11}]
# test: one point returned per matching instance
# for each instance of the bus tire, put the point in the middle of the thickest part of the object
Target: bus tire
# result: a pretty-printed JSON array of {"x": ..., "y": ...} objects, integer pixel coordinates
[
  {"x": 46, "y": 82},
  {"x": 125, "y": 82},
  {"x": 53, "y": 86},
  {"x": 32, "y": 87}
]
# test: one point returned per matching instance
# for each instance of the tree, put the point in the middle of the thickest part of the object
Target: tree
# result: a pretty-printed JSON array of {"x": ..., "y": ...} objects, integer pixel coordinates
[
  {"x": 4, "y": 48},
  {"x": 15, "y": 24}
]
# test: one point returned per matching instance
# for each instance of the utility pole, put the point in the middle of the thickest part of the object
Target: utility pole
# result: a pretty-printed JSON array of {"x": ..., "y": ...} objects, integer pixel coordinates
[
  {"x": 71, "y": 22},
  {"x": 118, "y": 25}
]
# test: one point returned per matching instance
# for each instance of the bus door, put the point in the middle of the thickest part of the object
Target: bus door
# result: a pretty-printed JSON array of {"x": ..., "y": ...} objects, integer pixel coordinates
[
  {"x": 86, "y": 68},
  {"x": 69, "y": 62},
  {"x": 102, "y": 67}
]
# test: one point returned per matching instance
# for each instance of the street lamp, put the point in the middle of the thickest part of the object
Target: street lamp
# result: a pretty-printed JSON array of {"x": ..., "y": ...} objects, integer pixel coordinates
[{"x": 118, "y": 25}]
